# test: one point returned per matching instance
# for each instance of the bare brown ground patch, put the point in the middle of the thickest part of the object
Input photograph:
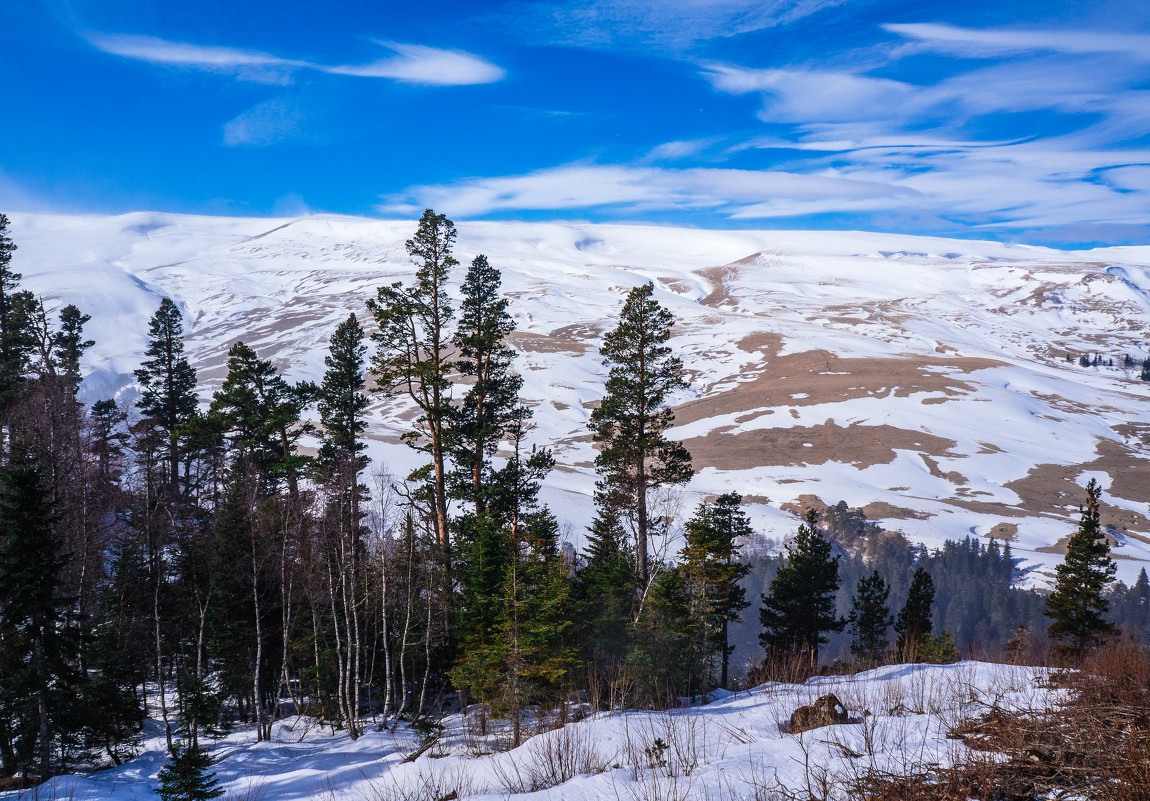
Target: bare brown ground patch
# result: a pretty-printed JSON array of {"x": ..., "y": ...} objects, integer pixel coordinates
[
  {"x": 1054, "y": 490},
  {"x": 856, "y": 444},
  {"x": 801, "y": 504},
  {"x": 814, "y": 377},
  {"x": 546, "y": 343},
  {"x": 1002, "y": 531},
  {"x": 881, "y": 510}
]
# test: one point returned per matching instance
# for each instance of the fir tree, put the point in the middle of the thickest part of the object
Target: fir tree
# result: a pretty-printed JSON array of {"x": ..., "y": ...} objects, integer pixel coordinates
[
  {"x": 710, "y": 566},
  {"x": 186, "y": 777},
  {"x": 914, "y": 624},
  {"x": 168, "y": 385},
  {"x": 799, "y": 607},
  {"x": 1145, "y": 375},
  {"x": 1077, "y": 606},
  {"x": 870, "y": 618},
  {"x": 629, "y": 425}
]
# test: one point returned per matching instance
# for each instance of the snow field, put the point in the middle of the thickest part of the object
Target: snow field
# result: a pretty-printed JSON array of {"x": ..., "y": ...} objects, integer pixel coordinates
[{"x": 733, "y": 748}]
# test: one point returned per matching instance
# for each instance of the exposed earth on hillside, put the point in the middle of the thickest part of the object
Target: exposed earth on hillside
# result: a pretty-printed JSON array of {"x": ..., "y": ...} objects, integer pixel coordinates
[{"x": 925, "y": 380}]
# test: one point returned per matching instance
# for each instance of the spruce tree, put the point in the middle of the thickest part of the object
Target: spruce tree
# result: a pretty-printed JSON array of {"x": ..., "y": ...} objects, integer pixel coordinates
[
  {"x": 260, "y": 412},
  {"x": 799, "y": 607},
  {"x": 186, "y": 777},
  {"x": 1077, "y": 606},
  {"x": 629, "y": 425},
  {"x": 870, "y": 618},
  {"x": 709, "y": 564},
  {"x": 168, "y": 385},
  {"x": 914, "y": 624}
]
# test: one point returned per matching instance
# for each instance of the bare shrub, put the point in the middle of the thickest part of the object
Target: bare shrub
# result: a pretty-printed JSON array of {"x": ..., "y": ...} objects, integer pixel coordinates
[
  {"x": 429, "y": 783},
  {"x": 550, "y": 760},
  {"x": 657, "y": 788},
  {"x": 1092, "y": 741}
]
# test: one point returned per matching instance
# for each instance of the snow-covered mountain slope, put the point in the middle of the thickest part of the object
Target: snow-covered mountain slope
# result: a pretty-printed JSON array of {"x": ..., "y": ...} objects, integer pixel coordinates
[
  {"x": 924, "y": 379},
  {"x": 733, "y": 749}
]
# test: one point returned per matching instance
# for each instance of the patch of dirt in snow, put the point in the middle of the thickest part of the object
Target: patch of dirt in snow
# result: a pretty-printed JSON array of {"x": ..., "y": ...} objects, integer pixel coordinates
[{"x": 856, "y": 444}]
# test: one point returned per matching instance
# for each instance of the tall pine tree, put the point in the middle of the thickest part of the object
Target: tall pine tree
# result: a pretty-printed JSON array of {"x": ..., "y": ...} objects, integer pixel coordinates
[
  {"x": 492, "y": 401},
  {"x": 16, "y": 306},
  {"x": 413, "y": 343},
  {"x": 629, "y": 425}
]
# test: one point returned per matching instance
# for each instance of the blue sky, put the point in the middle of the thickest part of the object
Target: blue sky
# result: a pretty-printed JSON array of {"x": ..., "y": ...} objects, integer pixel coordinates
[{"x": 1020, "y": 120}]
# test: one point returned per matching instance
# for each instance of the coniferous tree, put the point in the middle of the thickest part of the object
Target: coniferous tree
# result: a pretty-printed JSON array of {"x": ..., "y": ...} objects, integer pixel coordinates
[
  {"x": 870, "y": 618},
  {"x": 709, "y": 564},
  {"x": 605, "y": 600},
  {"x": 1077, "y": 606},
  {"x": 38, "y": 674},
  {"x": 630, "y": 423},
  {"x": 186, "y": 777},
  {"x": 342, "y": 402},
  {"x": 168, "y": 385},
  {"x": 492, "y": 401},
  {"x": 799, "y": 608},
  {"x": 667, "y": 660},
  {"x": 914, "y": 624},
  {"x": 69, "y": 344},
  {"x": 15, "y": 321},
  {"x": 412, "y": 356}
]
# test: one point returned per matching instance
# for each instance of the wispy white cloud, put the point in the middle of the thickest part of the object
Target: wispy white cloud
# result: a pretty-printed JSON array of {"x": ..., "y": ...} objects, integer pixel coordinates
[
  {"x": 428, "y": 66},
  {"x": 415, "y": 64},
  {"x": 974, "y": 42},
  {"x": 680, "y": 149},
  {"x": 668, "y": 23},
  {"x": 795, "y": 95},
  {"x": 246, "y": 64},
  {"x": 589, "y": 186},
  {"x": 994, "y": 185},
  {"x": 272, "y": 122}
]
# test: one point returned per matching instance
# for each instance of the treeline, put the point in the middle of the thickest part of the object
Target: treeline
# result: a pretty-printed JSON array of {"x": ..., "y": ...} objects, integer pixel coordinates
[
  {"x": 975, "y": 598},
  {"x": 192, "y": 561}
]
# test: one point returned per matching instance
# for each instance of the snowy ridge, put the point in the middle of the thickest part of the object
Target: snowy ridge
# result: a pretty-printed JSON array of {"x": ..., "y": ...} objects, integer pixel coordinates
[{"x": 924, "y": 379}]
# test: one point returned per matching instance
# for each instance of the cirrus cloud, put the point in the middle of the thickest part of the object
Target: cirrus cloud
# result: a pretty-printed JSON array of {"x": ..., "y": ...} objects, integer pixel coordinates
[{"x": 414, "y": 64}]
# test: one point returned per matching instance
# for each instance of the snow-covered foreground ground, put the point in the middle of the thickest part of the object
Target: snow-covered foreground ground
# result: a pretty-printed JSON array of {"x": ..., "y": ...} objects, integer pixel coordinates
[
  {"x": 923, "y": 379},
  {"x": 735, "y": 747}
]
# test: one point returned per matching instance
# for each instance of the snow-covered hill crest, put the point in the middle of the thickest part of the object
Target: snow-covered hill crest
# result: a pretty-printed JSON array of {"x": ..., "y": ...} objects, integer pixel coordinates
[{"x": 924, "y": 379}]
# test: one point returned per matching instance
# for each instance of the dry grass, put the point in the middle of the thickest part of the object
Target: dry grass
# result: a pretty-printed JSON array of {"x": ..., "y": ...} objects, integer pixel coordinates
[
  {"x": 1091, "y": 741},
  {"x": 550, "y": 760}
]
